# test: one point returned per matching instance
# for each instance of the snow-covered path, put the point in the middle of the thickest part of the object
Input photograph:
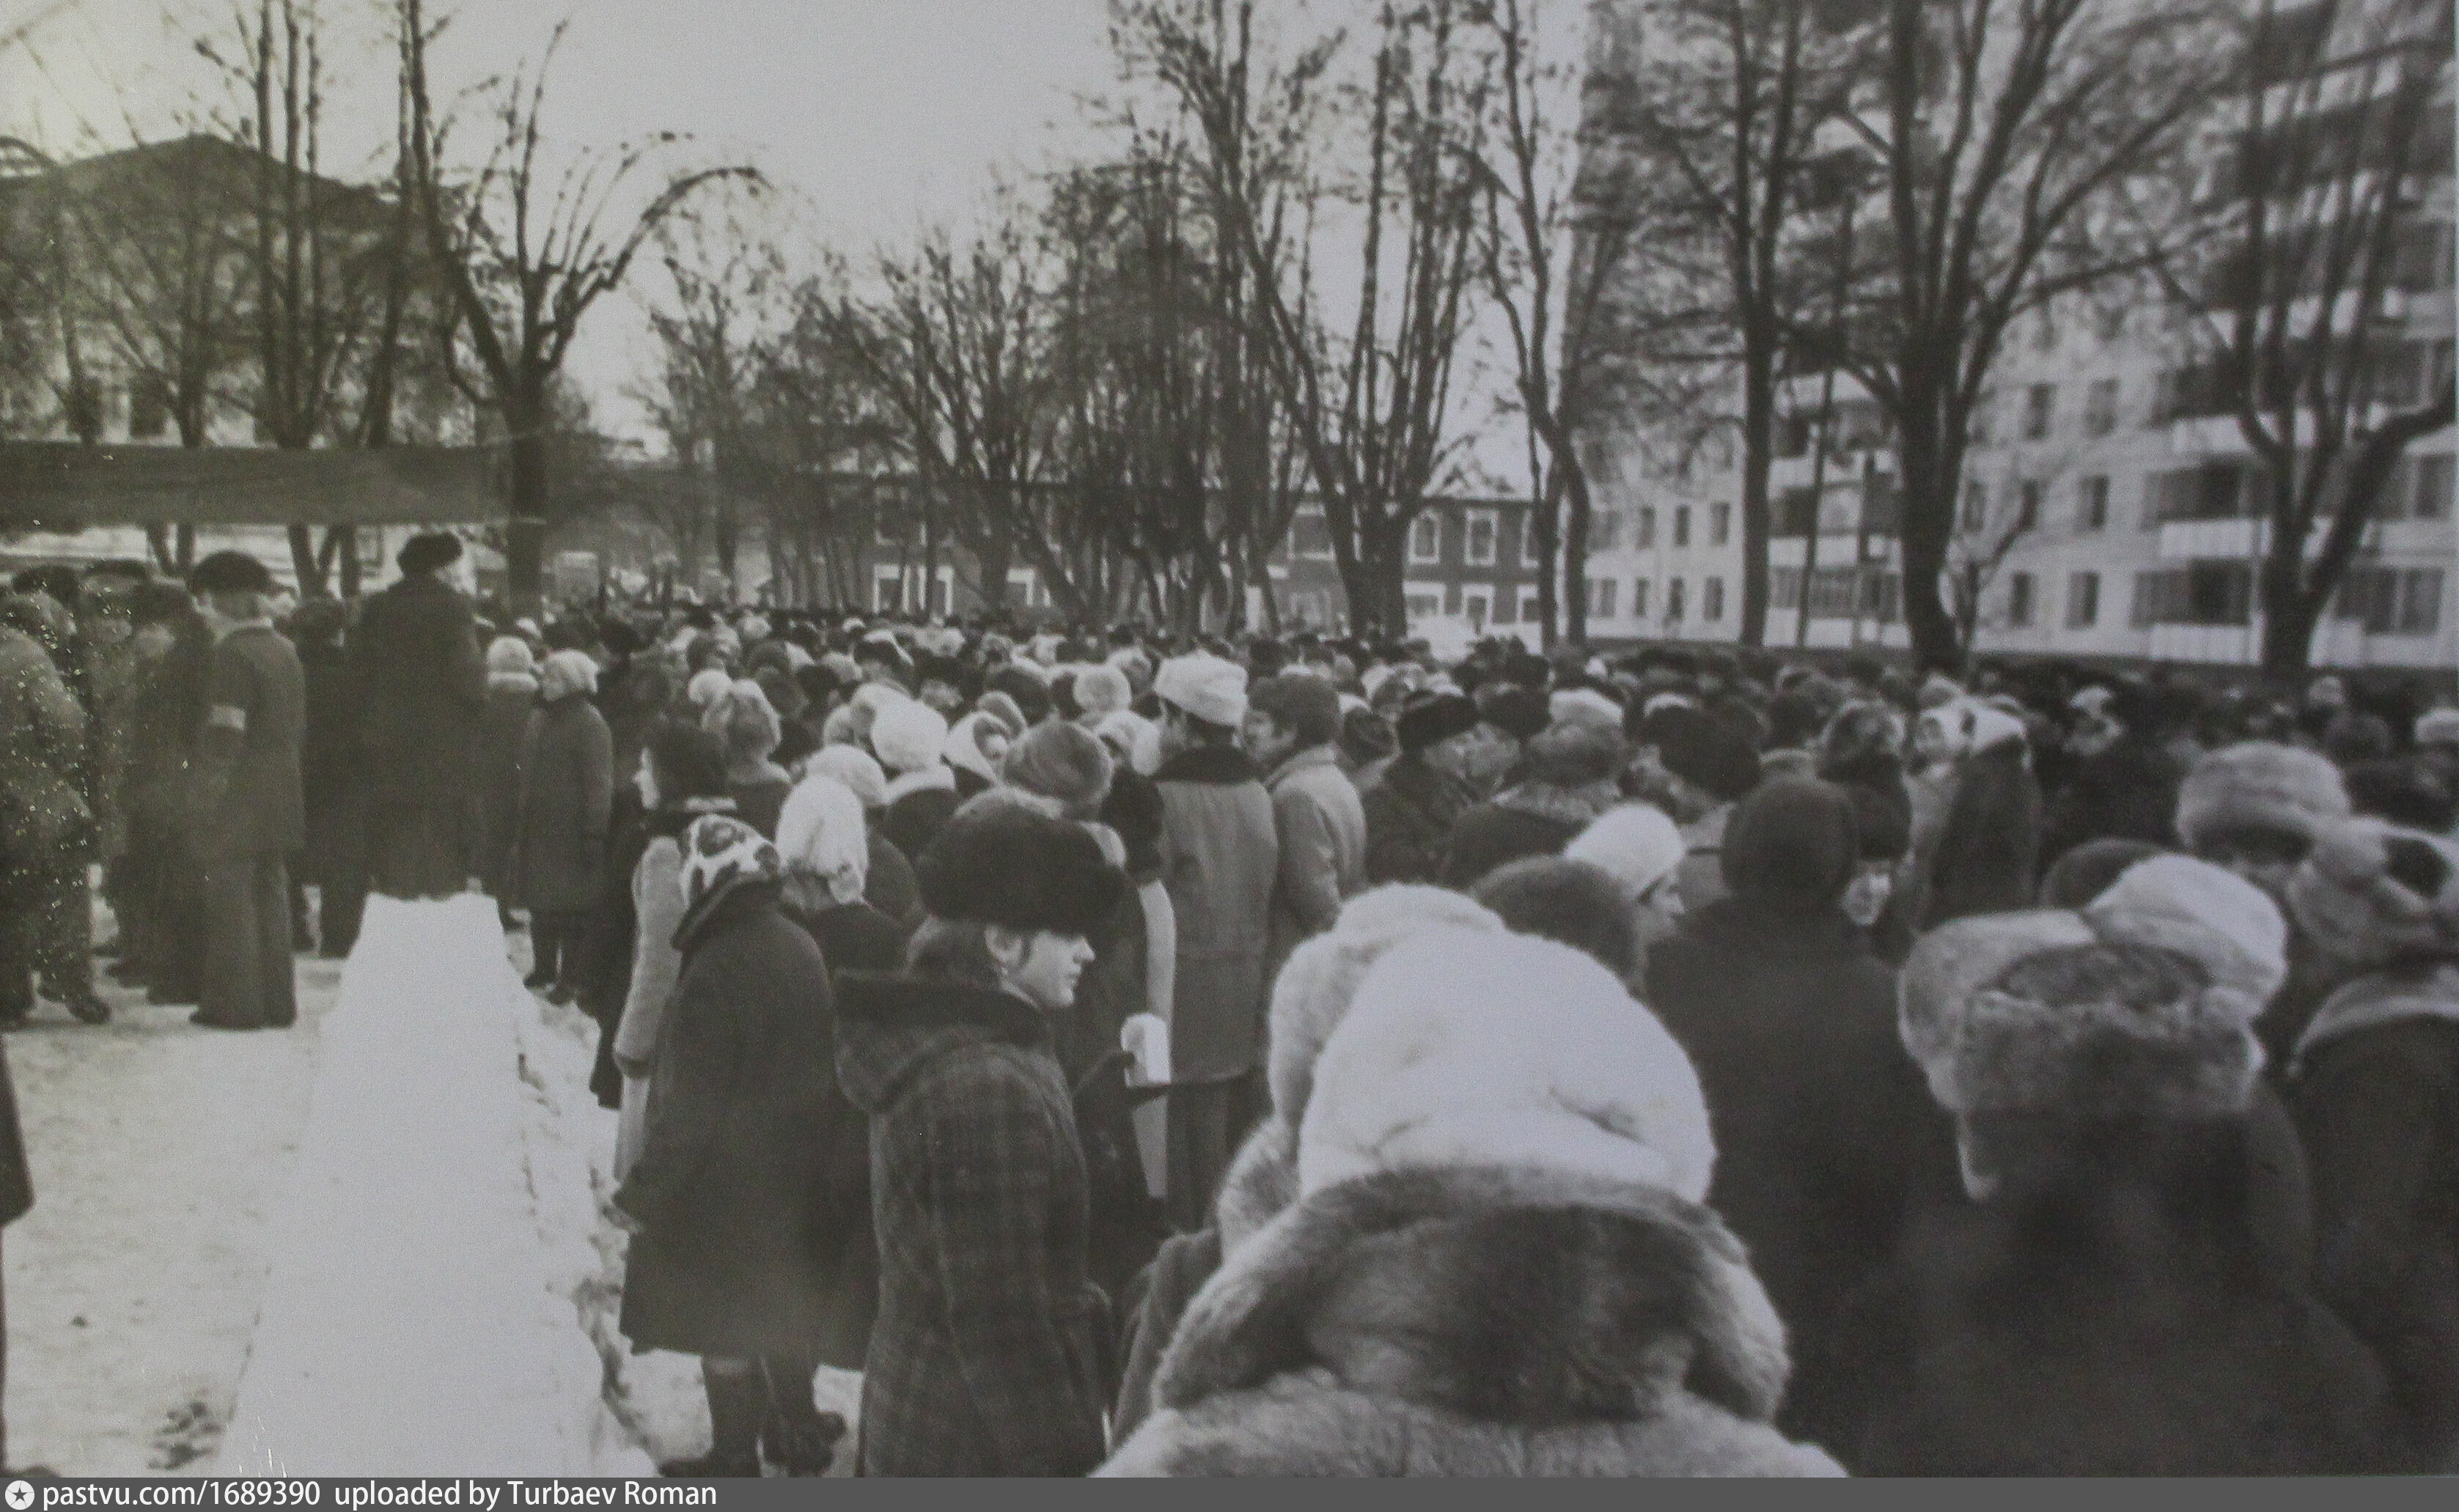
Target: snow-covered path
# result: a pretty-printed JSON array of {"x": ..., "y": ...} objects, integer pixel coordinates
[{"x": 160, "y": 1151}]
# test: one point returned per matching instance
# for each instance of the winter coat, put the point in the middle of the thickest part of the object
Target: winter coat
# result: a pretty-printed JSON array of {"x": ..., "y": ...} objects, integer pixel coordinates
[
  {"x": 2376, "y": 1085},
  {"x": 611, "y": 952},
  {"x": 748, "y": 1188},
  {"x": 891, "y": 888},
  {"x": 656, "y": 911},
  {"x": 759, "y": 800},
  {"x": 1321, "y": 832},
  {"x": 1988, "y": 857},
  {"x": 919, "y": 806},
  {"x": 1532, "y": 819},
  {"x": 853, "y": 937},
  {"x": 1409, "y": 817},
  {"x": 251, "y": 803},
  {"x": 1822, "y": 1121},
  {"x": 1476, "y": 1321},
  {"x": 329, "y": 764},
  {"x": 986, "y": 1358},
  {"x": 567, "y": 792},
  {"x": 503, "y": 736},
  {"x": 2113, "y": 1321},
  {"x": 2127, "y": 790},
  {"x": 43, "y": 818},
  {"x": 422, "y": 690},
  {"x": 1220, "y": 853}
]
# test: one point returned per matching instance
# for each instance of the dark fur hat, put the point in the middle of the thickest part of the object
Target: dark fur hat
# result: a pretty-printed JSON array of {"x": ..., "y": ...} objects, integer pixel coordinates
[
  {"x": 230, "y": 572},
  {"x": 1007, "y": 865},
  {"x": 1430, "y": 719},
  {"x": 429, "y": 553}
]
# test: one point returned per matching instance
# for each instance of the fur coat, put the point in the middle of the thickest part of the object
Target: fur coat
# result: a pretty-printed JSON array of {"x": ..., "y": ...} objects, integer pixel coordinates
[{"x": 1476, "y": 1321}]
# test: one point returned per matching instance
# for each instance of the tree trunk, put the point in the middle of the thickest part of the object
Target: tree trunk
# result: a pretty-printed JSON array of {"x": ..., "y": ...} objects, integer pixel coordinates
[
  {"x": 1758, "y": 455},
  {"x": 1571, "y": 481},
  {"x": 1929, "y": 504},
  {"x": 158, "y": 542},
  {"x": 185, "y": 551},
  {"x": 525, "y": 532},
  {"x": 348, "y": 536},
  {"x": 304, "y": 565},
  {"x": 1545, "y": 528}
]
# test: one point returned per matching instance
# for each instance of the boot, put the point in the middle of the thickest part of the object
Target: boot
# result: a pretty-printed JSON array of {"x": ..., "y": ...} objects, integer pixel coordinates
[
  {"x": 736, "y": 1402},
  {"x": 796, "y": 1436}
]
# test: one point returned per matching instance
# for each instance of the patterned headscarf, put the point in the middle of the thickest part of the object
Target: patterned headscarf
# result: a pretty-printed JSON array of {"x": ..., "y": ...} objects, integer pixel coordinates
[{"x": 721, "y": 854}]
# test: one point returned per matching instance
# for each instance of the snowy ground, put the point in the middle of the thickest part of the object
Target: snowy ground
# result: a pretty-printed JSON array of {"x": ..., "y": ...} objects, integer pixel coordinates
[{"x": 434, "y": 1283}]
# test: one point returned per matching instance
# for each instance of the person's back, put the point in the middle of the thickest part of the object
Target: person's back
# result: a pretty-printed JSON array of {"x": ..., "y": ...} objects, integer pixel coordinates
[
  {"x": 422, "y": 691},
  {"x": 1220, "y": 853}
]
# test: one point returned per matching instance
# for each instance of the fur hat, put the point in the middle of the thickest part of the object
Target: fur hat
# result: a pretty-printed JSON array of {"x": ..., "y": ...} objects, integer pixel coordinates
[
  {"x": 1568, "y": 902},
  {"x": 1519, "y": 712},
  {"x": 1003, "y": 709},
  {"x": 908, "y": 735},
  {"x": 1465, "y": 1048},
  {"x": 1703, "y": 749},
  {"x": 2176, "y": 903},
  {"x": 230, "y": 572},
  {"x": 2373, "y": 894},
  {"x": 2258, "y": 786},
  {"x": 1636, "y": 845},
  {"x": 855, "y": 767},
  {"x": 1063, "y": 763},
  {"x": 569, "y": 672},
  {"x": 428, "y": 553},
  {"x": 707, "y": 688},
  {"x": 1570, "y": 701},
  {"x": 1008, "y": 865},
  {"x": 1205, "y": 685},
  {"x": 509, "y": 656},
  {"x": 1430, "y": 719},
  {"x": 2038, "y": 1013},
  {"x": 1101, "y": 690},
  {"x": 1575, "y": 753}
]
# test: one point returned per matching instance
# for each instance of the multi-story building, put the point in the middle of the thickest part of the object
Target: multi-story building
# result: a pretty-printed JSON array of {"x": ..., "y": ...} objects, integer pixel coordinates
[{"x": 2110, "y": 501}]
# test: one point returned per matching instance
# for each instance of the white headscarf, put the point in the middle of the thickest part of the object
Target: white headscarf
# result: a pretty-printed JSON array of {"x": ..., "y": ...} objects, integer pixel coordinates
[{"x": 820, "y": 834}]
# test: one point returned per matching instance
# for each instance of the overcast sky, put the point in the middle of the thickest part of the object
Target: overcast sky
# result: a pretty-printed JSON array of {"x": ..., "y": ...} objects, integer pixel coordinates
[{"x": 880, "y": 115}]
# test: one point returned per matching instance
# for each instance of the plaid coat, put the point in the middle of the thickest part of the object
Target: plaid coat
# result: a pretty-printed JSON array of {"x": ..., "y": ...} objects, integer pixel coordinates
[{"x": 985, "y": 1356}]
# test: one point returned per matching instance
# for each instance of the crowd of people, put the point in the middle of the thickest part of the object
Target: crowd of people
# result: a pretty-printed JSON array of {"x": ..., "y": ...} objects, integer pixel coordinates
[{"x": 1690, "y": 1060}]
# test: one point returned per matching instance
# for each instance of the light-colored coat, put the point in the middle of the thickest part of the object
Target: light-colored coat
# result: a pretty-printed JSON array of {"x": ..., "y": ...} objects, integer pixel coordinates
[
  {"x": 658, "y": 902},
  {"x": 1320, "y": 825},
  {"x": 1219, "y": 859}
]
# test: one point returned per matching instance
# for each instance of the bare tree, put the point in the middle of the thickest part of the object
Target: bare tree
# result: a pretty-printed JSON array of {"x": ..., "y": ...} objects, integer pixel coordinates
[
  {"x": 2322, "y": 235},
  {"x": 524, "y": 251},
  {"x": 2008, "y": 133}
]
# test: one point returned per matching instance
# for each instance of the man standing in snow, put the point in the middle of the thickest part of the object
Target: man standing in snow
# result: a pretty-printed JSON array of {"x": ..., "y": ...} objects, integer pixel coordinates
[
  {"x": 1291, "y": 723},
  {"x": 250, "y": 812},
  {"x": 421, "y": 687}
]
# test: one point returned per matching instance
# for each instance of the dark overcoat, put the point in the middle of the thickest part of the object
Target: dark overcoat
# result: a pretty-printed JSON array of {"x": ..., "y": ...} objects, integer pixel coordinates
[
  {"x": 986, "y": 1359},
  {"x": 753, "y": 1159},
  {"x": 503, "y": 742},
  {"x": 567, "y": 794},
  {"x": 422, "y": 686}
]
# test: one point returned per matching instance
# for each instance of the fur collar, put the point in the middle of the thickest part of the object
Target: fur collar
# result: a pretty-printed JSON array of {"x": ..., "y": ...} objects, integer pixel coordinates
[
  {"x": 1213, "y": 766},
  {"x": 930, "y": 778},
  {"x": 889, "y": 1027},
  {"x": 1580, "y": 807},
  {"x": 1504, "y": 1294},
  {"x": 670, "y": 820},
  {"x": 1261, "y": 1184},
  {"x": 2382, "y": 997}
]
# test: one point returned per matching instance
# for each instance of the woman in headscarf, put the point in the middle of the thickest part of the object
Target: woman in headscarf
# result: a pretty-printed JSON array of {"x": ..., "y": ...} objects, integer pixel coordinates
[
  {"x": 749, "y": 1184},
  {"x": 559, "y": 838},
  {"x": 824, "y": 842},
  {"x": 503, "y": 733},
  {"x": 891, "y": 888},
  {"x": 742, "y": 719}
]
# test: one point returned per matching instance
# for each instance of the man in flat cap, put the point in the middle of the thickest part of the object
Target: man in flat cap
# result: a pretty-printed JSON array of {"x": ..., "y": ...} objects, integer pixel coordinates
[
  {"x": 250, "y": 812},
  {"x": 422, "y": 688}
]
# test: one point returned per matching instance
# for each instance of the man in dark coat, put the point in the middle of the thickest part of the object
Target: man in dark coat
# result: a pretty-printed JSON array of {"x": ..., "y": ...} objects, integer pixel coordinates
[
  {"x": 987, "y": 1357},
  {"x": 251, "y": 815},
  {"x": 422, "y": 686},
  {"x": 1411, "y": 809},
  {"x": 1821, "y": 1120},
  {"x": 740, "y": 1199},
  {"x": 329, "y": 766},
  {"x": 2128, "y": 788}
]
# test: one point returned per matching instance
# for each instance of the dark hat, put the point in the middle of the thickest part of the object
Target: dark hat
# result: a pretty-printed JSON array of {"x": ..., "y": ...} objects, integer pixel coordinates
[
  {"x": 1366, "y": 737},
  {"x": 230, "y": 572},
  {"x": 2090, "y": 869},
  {"x": 1796, "y": 838},
  {"x": 1704, "y": 750},
  {"x": 1569, "y": 902},
  {"x": 1883, "y": 816},
  {"x": 1519, "y": 712},
  {"x": 1430, "y": 719},
  {"x": 429, "y": 553},
  {"x": 1009, "y": 866}
]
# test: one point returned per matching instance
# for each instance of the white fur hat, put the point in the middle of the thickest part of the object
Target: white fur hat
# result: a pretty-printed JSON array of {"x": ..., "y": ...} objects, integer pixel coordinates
[
  {"x": 707, "y": 687},
  {"x": 1206, "y": 685},
  {"x": 1573, "y": 703},
  {"x": 1317, "y": 985},
  {"x": 821, "y": 834},
  {"x": 907, "y": 736},
  {"x": 1133, "y": 739},
  {"x": 1471, "y": 1048},
  {"x": 1636, "y": 845},
  {"x": 2195, "y": 909}
]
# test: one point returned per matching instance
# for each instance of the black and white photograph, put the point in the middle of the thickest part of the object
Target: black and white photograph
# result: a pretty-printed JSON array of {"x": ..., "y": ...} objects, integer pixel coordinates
[{"x": 1226, "y": 738}]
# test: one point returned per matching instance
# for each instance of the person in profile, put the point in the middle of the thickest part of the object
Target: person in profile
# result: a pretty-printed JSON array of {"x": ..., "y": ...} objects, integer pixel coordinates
[{"x": 422, "y": 686}]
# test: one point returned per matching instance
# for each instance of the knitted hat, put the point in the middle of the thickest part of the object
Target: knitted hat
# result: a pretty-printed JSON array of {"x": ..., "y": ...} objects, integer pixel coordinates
[
  {"x": 1430, "y": 719},
  {"x": 1795, "y": 840},
  {"x": 1007, "y": 865},
  {"x": 1063, "y": 763},
  {"x": 1636, "y": 845},
  {"x": 908, "y": 735},
  {"x": 2262, "y": 786},
  {"x": 1470, "y": 1048},
  {"x": 1205, "y": 685},
  {"x": 566, "y": 673},
  {"x": 821, "y": 834},
  {"x": 855, "y": 767},
  {"x": 722, "y": 852},
  {"x": 1101, "y": 690},
  {"x": 1317, "y": 983},
  {"x": 2372, "y": 894}
]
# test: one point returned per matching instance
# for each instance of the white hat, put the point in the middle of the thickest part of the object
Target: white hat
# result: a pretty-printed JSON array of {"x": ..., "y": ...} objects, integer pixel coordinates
[
  {"x": 2176, "y": 902},
  {"x": 907, "y": 736},
  {"x": 1475, "y": 1049},
  {"x": 1636, "y": 845},
  {"x": 2438, "y": 727},
  {"x": 1576, "y": 702},
  {"x": 821, "y": 834},
  {"x": 1207, "y": 686}
]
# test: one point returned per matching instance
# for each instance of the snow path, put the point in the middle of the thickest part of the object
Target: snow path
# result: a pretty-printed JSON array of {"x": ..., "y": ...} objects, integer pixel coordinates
[
  {"x": 160, "y": 1151},
  {"x": 411, "y": 1324}
]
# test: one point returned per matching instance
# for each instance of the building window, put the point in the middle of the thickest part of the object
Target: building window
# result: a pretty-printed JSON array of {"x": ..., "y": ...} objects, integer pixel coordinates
[
  {"x": 1721, "y": 524},
  {"x": 1639, "y": 598},
  {"x": 2019, "y": 599},
  {"x": 1784, "y": 588},
  {"x": 888, "y": 593},
  {"x": 1601, "y": 598},
  {"x": 1977, "y": 428},
  {"x": 1425, "y": 605},
  {"x": 1711, "y": 600},
  {"x": 2027, "y": 507},
  {"x": 2112, "y": 325},
  {"x": 2100, "y": 407},
  {"x": 1426, "y": 539},
  {"x": 2095, "y": 512},
  {"x": 1976, "y": 507},
  {"x": 1311, "y": 536},
  {"x": 2040, "y": 410},
  {"x": 1797, "y": 512},
  {"x": 1476, "y": 607},
  {"x": 1605, "y": 531},
  {"x": 2210, "y": 492},
  {"x": 1531, "y": 611},
  {"x": 2083, "y": 600},
  {"x": 2204, "y": 593},
  {"x": 1682, "y": 525},
  {"x": 1505, "y": 602},
  {"x": 2392, "y": 601},
  {"x": 1673, "y": 602},
  {"x": 2419, "y": 489},
  {"x": 1831, "y": 592},
  {"x": 1646, "y": 538},
  {"x": 1481, "y": 545}
]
